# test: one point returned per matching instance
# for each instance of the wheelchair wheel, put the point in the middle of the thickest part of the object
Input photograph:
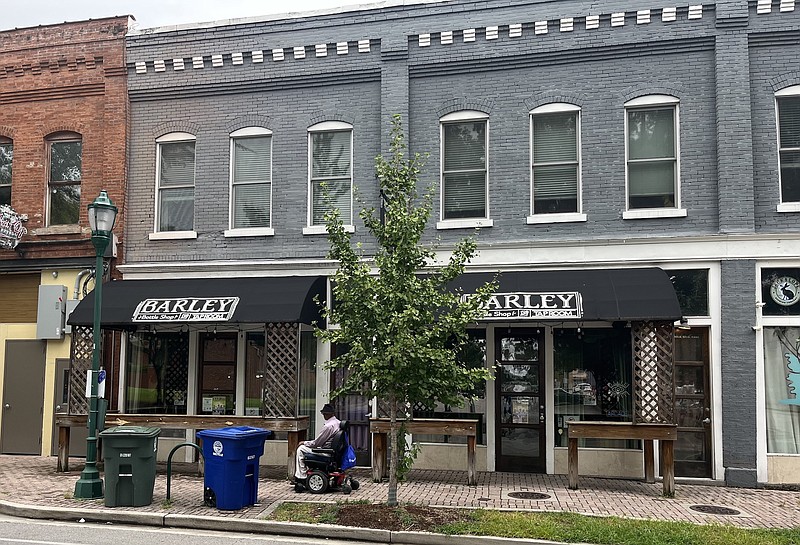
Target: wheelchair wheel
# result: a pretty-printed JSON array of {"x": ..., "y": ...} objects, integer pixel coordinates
[
  {"x": 346, "y": 488},
  {"x": 317, "y": 482},
  {"x": 354, "y": 484}
]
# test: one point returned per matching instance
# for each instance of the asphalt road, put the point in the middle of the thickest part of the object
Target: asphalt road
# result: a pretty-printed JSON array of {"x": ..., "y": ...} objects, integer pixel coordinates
[{"x": 17, "y": 531}]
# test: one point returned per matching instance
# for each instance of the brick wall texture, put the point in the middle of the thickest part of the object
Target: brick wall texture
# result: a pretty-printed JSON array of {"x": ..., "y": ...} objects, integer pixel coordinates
[{"x": 66, "y": 77}]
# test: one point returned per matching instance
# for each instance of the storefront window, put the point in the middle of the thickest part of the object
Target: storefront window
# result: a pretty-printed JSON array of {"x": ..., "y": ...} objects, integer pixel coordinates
[
  {"x": 308, "y": 380},
  {"x": 691, "y": 287},
  {"x": 156, "y": 374},
  {"x": 780, "y": 292},
  {"x": 254, "y": 374},
  {"x": 473, "y": 354},
  {"x": 782, "y": 385},
  {"x": 592, "y": 371}
]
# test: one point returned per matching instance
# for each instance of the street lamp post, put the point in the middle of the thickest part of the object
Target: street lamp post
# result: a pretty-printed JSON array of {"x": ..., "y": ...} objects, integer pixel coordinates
[{"x": 102, "y": 215}]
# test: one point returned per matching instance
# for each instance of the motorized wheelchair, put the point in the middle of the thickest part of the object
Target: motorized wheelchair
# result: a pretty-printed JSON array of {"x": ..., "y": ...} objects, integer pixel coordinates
[{"x": 324, "y": 466}]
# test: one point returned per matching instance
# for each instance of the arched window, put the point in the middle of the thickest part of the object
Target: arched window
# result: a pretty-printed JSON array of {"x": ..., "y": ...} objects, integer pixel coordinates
[
  {"x": 330, "y": 167},
  {"x": 65, "y": 165},
  {"x": 651, "y": 153},
  {"x": 6, "y": 157},
  {"x": 464, "y": 137},
  {"x": 251, "y": 180},
  {"x": 175, "y": 182},
  {"x": 555, "y": 163},
  {"x": 787, "y": 105}
]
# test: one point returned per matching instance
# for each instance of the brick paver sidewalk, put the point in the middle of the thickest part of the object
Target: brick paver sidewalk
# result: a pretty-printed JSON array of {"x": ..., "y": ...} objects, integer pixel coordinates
[{"x": 33, "y": 480}]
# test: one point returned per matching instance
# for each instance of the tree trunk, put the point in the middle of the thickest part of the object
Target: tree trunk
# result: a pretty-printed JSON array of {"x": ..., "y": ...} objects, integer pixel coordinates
[{"x": 394, "y": 452}]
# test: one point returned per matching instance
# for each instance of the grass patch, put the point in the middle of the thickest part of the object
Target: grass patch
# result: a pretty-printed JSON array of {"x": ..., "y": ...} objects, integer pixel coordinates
[
  {"x": 571, "y": 528},
  {"x": 564, "y": 527}
]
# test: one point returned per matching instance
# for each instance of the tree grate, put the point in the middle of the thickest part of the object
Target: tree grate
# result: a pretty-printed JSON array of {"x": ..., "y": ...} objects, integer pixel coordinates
[
  {"x": 714, "y": 510},
  {"x": 528, "y": 496}
]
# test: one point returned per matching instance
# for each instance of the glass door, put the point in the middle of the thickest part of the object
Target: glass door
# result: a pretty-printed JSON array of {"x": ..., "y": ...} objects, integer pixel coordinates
[
  {"x": 692, "y": 404},
  {"x": 520, "y": 440},
  {"x": 217, "y": 373}
]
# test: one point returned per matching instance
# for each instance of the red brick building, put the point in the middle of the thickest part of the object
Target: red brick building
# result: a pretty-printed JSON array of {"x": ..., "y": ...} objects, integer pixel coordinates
[{"x": 63, "y": 134}]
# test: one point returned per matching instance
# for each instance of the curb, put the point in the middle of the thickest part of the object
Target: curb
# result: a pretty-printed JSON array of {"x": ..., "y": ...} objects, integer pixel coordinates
[{"x": 199, "y": 522}]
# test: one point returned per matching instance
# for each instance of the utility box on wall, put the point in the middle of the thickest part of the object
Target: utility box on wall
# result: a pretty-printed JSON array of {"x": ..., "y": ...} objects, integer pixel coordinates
[{"x": 52, "y": 312}]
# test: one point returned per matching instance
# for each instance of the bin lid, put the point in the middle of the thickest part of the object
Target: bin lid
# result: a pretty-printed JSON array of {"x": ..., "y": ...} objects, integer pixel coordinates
[
  {"x": 234, "y": 432},
  {"x": 121, "y": 431}
]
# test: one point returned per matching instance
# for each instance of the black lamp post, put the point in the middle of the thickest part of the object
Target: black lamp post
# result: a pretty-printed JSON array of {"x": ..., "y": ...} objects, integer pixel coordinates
[{"x": 102, "y": 215}]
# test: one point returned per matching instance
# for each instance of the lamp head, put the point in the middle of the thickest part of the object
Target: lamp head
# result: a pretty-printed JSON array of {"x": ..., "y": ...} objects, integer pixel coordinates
[{"x": 102, "y": 214}]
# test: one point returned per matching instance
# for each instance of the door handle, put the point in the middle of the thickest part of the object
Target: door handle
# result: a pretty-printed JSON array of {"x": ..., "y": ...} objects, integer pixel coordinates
[
  {"x": 8, "y": 406},
  {"x": 706, "y": 420}
]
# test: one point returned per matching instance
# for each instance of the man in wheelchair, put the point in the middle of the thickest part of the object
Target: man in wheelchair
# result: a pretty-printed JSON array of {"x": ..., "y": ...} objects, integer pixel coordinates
[{"x": 319, "y": 461}]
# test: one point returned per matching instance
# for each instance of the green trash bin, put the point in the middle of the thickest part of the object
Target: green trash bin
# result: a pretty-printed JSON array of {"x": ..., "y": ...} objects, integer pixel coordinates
[{"x": 129, "y": 454}]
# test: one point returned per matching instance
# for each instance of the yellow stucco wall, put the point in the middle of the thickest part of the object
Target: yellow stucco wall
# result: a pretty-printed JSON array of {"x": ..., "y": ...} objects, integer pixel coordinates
[{"x": 56, "y": 349}]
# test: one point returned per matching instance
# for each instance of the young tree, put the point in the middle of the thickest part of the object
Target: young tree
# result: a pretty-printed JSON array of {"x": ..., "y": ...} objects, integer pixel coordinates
[{"x": 394, "y": 311}]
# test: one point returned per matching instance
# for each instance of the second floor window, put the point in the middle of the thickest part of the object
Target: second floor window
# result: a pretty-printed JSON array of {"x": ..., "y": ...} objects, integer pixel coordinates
[
  {"x": 788, "y": 103},
  {"x": 331, "y": 172},
  {"x": 6, "y": 157},
  {"x": 175, "y": 182},
  {"x": 556, "y": 159},
  {"x": 651, "y": 124},
  {"x": 251, "y": 178},
  {"x": 65, "y": 156},
  {"x": 464, "y": 165}
]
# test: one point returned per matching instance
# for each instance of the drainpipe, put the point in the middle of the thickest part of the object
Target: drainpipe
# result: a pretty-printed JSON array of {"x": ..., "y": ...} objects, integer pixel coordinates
[{"x": 81, "y": 274}]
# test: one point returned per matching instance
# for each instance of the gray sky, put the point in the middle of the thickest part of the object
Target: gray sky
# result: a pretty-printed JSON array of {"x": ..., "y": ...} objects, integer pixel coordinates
[{"x": 155, "y": 13}]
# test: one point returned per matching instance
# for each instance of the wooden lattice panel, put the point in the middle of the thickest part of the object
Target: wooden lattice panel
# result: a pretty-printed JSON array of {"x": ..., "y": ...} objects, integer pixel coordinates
[
  {"x": 653, "y": 372},
  {"x": 282, "y": 353},
  {"x": 80, "y": 362}
]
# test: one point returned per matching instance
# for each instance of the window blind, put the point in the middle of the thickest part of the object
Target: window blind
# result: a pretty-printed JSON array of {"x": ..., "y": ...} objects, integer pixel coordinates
[
  {"x": 654, "y": 178},
  {"x": 555, "y": 138},
  {"x": 251, "y": 205},
  {"x": 330, "y": 154},
  {"x": 789, "y": 119},
  {"x": 176, "y": 209},
  {"x": 555, "y": 181},
  {"x": 177, "y": 164},
  {"x": 338, "y": 196},
  {"x": 465, "y": 146},
  {"x": 252, "y": 159},
  {"x": 465, "y": 195}
]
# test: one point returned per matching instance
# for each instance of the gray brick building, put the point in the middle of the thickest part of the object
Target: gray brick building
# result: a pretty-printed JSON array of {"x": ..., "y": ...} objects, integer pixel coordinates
[{"x": 586, "y": 138}]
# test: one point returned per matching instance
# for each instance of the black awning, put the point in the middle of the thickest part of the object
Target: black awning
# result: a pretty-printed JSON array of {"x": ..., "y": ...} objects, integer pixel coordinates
[
  {"x": 605, "y": 294},
  {"x": 205, "y": 300}
]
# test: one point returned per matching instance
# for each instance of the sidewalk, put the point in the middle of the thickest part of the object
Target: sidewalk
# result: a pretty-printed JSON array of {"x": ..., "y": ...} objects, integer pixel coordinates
[{"x": 30, "y": 486}]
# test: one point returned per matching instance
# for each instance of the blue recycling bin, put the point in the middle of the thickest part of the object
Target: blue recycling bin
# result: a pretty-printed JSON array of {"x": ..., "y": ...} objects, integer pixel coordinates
[{"x": 231, "y": 465}]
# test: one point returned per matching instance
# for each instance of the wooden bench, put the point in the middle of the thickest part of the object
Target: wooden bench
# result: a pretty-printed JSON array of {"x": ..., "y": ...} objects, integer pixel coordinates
[
  {"x": 379, "y": 427},
  {"x": 297, "y": 428},
  {"x": 665, "y": 434}
]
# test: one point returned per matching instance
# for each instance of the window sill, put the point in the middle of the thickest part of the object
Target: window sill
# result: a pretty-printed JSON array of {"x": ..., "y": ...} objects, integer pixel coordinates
[
  {"x": 173, "y": 235},
  {"x": 250, "y": 232},
  {"x": 651, "y": 213},
  {"x": 789, "y": 207},
  {"x": 555, "y": 218},
  {"x": 467, "y": 223},
  {"x": 323, "y": 230},
  {"x": 58, "y": 230}
]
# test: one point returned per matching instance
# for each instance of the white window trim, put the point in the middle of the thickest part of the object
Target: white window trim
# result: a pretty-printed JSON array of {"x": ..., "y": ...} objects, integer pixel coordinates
[
  {"x": 465, "y": 223},
  {"x": 173, "y": 235},
  {"x": 789, "y": 206},
  {"x": 647, "y": 213},
  {"x": 651, "y": 213},
  {"x": 252, "y": 231},
  {"x": 323, "y": 229},
  {"x": 570, "y": 217},
  {"x": 461, "y": 223},
  {"x": 793, "y": 90},
  {"x": 329, "y": 126},
  {"x": 170, "y": 138},
  {"x": 552, "y": 108}
]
